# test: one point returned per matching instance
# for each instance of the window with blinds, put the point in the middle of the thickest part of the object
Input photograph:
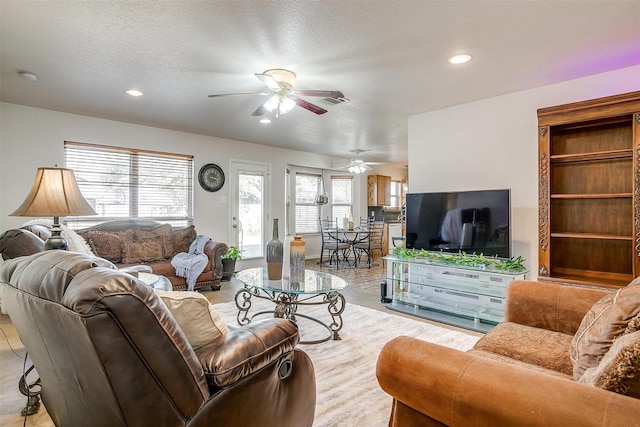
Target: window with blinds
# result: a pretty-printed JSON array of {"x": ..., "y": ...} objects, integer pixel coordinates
[
  {"x": 395, "y": 194},
  {"x": 287, "y": 202},
  {"x": 129, "y": 183},
  {"x": 341, "y": 197},
  {"x": 307, "y": 213}
]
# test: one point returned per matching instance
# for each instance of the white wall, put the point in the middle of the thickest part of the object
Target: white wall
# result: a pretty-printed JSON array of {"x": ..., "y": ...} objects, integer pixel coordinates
[
  {"x": 493, "y": 143},
  {"x": 33, "y": 137}
]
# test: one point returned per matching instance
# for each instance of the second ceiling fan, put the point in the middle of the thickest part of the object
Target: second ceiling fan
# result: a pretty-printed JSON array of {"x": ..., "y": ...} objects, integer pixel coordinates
[{"x": 283, "y": 98}]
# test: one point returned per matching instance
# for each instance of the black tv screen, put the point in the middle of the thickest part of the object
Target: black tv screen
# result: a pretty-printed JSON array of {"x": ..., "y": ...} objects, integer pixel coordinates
[{"x": 468, "y": 221}]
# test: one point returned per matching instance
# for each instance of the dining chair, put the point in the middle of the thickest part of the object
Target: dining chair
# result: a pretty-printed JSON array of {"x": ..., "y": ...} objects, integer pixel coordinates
[
  {"x": 371, "y": 244},
  {"x": 331, "y": 244}
]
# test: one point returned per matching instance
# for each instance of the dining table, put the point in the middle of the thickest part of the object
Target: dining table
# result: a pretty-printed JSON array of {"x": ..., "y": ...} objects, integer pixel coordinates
[{"x": 351, "y": 237}]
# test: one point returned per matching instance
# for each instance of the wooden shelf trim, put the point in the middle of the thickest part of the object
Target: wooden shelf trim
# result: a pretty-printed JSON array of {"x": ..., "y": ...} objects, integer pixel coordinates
[
  {"x": 595, "y": 155},
  {"x": 593, "y": 196},
  {"x": 591, "y": 236},
  {"x": 600, "y": 278}
]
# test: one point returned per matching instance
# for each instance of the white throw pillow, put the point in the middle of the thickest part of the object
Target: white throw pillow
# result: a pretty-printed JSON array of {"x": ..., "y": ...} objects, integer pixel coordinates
[{"x": 195, "y": 316}]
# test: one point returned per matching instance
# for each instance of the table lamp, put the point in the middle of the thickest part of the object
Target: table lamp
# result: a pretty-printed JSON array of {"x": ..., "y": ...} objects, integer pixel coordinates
[{"x": 54, "y": 193}]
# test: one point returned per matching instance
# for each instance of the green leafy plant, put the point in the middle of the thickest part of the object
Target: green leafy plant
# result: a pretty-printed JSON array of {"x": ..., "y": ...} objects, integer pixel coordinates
[
  {"x": 232, "y": 253},
  {"x": 512, "y": 265}
]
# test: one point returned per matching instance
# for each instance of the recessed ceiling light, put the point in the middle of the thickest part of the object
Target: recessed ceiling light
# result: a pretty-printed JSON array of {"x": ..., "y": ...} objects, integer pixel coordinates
[
  {"x": 133, "y": 92},
  {"x": 460, "y": 58},
  {"x": 27, "y": 75},
  {"x": 265, "y": 121}
]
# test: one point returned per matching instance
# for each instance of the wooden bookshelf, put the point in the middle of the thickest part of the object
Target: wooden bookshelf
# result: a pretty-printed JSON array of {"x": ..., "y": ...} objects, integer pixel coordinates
[{"x": 589, "y": 191}]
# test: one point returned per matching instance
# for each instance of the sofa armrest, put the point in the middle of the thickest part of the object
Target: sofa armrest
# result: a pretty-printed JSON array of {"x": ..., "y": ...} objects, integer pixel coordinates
[
  {"x": 215, "y": 250},
  {"x": 549, "y": 306},
  {"x": 243, "y": 351},
  {"x": 463, "y": 389},
  {"x": 19, "y": 242}
]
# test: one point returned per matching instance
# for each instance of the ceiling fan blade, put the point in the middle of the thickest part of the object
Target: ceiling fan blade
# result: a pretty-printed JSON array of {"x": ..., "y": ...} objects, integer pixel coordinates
[
  {"x": 260, "y": 111},
  {"x": 268, "y": 81},
  {"x": 309, "y": 106},
  {"x": 375, "y": 163},
  {"x": 236, "y": 94},
  {"x": 323, "y": 93}
]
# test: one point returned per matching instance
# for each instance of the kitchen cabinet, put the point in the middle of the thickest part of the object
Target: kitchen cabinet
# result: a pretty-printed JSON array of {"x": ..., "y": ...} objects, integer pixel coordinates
[{"x": 378, "y": 190}]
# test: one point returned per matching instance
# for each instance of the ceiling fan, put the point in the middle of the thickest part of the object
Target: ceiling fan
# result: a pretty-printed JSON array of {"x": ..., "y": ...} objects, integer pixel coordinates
[
  {"x": 358, "y": 166},
  {"x": 283, "y": 98}
]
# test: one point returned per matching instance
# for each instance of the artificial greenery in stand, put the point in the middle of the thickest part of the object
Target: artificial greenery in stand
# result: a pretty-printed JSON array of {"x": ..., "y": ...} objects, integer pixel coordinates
[
  {"x": 229, "y": 262},
  {"x": 462, "y": 259}
]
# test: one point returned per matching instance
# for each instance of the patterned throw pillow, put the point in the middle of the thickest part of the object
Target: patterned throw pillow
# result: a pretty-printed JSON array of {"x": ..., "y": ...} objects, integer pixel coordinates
[
  {"x": 163, "y": 231},
  {"x": 108, "y": 245},
  {"x": 183, "y": 237},
  {"x": 147, "y": 250},
  {"x": 196, "y": 317},
  {"x": 619, "y": 369},
  {"x": 614, "y": 315}
]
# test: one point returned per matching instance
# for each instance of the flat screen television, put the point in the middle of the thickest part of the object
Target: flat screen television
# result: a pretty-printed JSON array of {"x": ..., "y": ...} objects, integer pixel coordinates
[{"x": 469, "y": 221}]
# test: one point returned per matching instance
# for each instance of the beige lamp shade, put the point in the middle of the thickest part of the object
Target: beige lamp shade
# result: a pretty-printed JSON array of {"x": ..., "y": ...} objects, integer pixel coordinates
[{"x": 54, "y": 193}]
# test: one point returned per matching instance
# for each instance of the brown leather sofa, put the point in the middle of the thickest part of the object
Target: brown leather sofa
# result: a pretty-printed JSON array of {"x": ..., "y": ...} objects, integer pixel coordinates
[
  {"x": 129, "y": 242},
  {"x": 518, "y": 374},
  {"x": 110, "y": 353}
]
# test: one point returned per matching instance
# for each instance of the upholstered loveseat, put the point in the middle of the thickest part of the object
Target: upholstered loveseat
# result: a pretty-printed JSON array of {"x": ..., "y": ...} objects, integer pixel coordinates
[
  {"x": 111, "y": 351},
  {"x": 564, "y": 356},
  {"x": 129, "y": 242}
]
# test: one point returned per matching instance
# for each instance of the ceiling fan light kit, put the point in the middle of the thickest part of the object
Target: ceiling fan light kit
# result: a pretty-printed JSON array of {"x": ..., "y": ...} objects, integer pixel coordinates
[
  {"x": 357, "y": 169},
  {"x": 358, "y": 166},
  {"x": 283, "y": 98}
]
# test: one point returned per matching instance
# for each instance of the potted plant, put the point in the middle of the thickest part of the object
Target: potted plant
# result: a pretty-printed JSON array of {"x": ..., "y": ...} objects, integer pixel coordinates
[{"x": 229, "y": 262}]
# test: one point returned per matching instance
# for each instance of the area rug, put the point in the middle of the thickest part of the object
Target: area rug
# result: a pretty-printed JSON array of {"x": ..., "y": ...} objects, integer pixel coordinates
[{"x": 348, "y": 393}]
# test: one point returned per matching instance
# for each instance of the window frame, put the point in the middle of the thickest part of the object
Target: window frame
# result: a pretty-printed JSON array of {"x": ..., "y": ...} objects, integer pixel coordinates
[
  {"x": 317, "y": 207},
  {"x": 183, "y": 168},
  {"x": 349, "y": 205}
]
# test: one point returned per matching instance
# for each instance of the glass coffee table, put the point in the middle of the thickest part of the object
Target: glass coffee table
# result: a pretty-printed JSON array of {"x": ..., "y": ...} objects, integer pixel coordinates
[{"x": 319, "y": 288}]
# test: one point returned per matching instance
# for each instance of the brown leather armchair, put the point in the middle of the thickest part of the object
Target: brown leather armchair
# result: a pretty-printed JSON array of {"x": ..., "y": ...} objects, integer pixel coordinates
[{"x": 109, "y": 353}]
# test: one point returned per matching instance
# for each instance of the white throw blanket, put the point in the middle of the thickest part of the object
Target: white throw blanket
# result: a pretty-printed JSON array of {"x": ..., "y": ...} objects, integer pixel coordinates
[
  {"x": 191, "y": 265},
  {"x": 74, "y": 240}
]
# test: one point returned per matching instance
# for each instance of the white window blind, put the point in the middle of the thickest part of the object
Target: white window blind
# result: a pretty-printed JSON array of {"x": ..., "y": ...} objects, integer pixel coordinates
[
  {"x": 395, "y": 194},
  {"x": 287, "y": 202},
  {"x": 307, "y": 212},
  {"x": 129, "y": 183},
  {"x": 341, "y": 197}
]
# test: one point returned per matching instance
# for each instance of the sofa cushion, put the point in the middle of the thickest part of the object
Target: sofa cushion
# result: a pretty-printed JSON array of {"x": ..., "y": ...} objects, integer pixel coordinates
[
  {"x": 147, "y": 250},
  {"x": 541, "y": 347},
  {"x": 619, "y": 369},
  {"x": 182, "y": 238},
  {"x": 198, "y": 320},
  {"x": 164, "y": 231},
  {"x": 614, "y": 315},
  {"x": 515, "y": 362},
  {"x": 108, "y": 245}
]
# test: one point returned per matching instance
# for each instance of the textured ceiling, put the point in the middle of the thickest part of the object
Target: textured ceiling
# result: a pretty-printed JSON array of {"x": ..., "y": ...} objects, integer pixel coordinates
[{"x": 388, "y": 57}]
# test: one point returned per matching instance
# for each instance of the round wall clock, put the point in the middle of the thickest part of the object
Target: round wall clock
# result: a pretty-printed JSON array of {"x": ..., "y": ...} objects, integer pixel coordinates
[{"x": 211, "y": 177}]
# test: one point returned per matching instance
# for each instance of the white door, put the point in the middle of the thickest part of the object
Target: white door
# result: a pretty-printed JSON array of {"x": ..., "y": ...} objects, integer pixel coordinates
[{"x": 248, "y": 193}]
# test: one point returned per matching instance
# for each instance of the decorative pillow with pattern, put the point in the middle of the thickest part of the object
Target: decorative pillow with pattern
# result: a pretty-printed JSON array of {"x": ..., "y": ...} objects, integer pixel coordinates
[
  {"x": 614, "y": 315},
  {"x": 147, "y": 250},
  {"x": 164, "y": 231},
  {"x": 108, "y": 245},
  {"x": 196, "y": 317},
  {"x": 619, "y": 369},
  {"x": 182, "y": 238}
]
